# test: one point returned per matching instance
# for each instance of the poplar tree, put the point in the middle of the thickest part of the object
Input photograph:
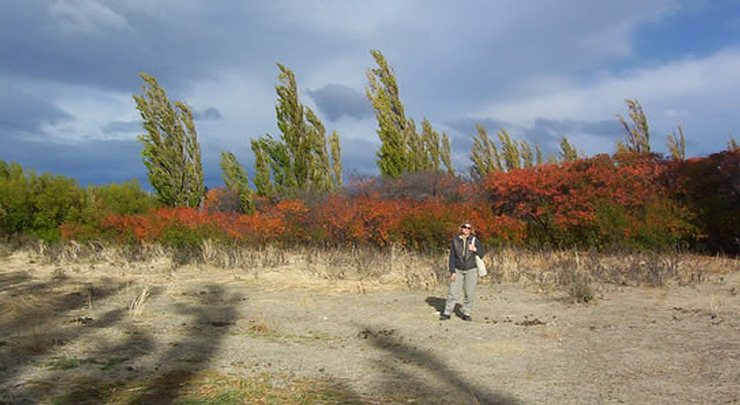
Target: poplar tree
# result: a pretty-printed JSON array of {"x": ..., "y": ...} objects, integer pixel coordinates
[
  {"x": 484, "y": 154},
  {"x": 509, "y": 151},
  {"x": 261, "y": 167},
  {"x": 677, "y": 145},
  {"x": 637, "y": 134},
  {"x": 394, "y": 129},
  {"x": 235, "y": 179},
  {"x": 567, "y": 151},
  {"x": 431, "y": 146},
  {"x": 299, "y": 159},
  {"x": 538, "y": 154},
  {"x": 403, "y": 149},
  {"x": 446, "y": 155},
  {"x": 336, "y": 159},
  {"x": 319, "y": 174},
  {"x": 525, "y": 151},
  {"x": 170, "y": 150}
]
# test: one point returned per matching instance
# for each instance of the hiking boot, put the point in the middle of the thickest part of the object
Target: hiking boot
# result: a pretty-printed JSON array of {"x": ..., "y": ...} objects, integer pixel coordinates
[
  {"x": 444, "y": 317},
  {"x": 466, "y": 318}
]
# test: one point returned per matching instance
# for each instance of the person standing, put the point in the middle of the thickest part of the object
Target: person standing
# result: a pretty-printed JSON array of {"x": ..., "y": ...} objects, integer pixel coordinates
[{"x": 463, "y": 272}]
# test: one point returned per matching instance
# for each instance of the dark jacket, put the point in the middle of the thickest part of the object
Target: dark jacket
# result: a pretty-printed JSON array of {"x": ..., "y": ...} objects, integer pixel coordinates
[{"x": 460, "y": 257}]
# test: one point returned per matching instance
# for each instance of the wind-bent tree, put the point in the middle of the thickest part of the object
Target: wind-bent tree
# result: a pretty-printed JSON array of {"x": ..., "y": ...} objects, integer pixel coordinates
[
  {"x": 567, "y": 151},
  {"x": 403, "y": 149},
  {"x": 509, "y": 151},
  {"x": 537, "y": 154},
  {"x": 435, "y": 151},
  {"x": 261, "y": 167},
  {"x": 394, "y": 129},
  {"x": 677, "y": 145},
  {"x": 235, "y": 179},
  {"x": 484, "y": 154},
  {"x": 446, "y": 155},
  {"x": 336, "y": 159},
  {"x": 637, "y": 135},
  {"x": 170, "y": 146},
  {"x": 525, "y": 151},
  {"x": 299, "y": 159}
]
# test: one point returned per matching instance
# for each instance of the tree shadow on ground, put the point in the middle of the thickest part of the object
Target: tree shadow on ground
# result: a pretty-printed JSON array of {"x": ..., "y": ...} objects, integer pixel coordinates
[
  {"x": 423, "y": 375},
  {"x": 172, "y": 370},
  {"x": 201, "y": 341},
  {"x": 35, "y": 317}
]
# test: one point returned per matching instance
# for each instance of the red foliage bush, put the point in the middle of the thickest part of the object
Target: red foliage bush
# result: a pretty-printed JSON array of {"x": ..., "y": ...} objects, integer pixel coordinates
[{"x": 576, "y": 203}]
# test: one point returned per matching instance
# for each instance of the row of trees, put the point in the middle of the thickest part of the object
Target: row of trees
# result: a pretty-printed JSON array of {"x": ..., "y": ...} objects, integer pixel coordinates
[
  {"x": 515, "y": 194},
  {"x": 302, "y": 158}
]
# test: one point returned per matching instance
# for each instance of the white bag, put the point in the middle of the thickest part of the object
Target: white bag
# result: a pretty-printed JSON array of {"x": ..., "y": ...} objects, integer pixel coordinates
[{"x": 480, "y": 264}]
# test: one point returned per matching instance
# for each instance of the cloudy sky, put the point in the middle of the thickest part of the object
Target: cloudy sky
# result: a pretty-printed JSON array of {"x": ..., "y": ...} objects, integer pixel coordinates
[{"x": 541, "y": 69}]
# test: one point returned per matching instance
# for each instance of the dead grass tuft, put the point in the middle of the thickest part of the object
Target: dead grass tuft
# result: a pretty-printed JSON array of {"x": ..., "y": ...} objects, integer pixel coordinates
[{"x": 136, "y": 305}]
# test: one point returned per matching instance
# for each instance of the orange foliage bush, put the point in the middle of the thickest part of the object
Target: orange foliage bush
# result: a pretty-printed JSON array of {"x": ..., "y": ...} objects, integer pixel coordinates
[{"x": 575, "y": 203}]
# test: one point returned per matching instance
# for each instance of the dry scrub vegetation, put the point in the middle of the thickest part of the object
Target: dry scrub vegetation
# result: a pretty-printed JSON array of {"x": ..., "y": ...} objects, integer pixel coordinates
[{"x": 223, "y": 325}]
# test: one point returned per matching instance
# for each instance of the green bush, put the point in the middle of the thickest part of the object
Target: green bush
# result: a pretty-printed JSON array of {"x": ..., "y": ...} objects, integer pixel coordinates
[{"x": 35, "y": 205}]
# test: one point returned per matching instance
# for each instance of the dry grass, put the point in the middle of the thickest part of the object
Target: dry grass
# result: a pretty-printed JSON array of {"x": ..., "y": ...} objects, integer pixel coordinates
[
  {"x": 363, "y": 269},
  {"x": 136, "y": 305}
]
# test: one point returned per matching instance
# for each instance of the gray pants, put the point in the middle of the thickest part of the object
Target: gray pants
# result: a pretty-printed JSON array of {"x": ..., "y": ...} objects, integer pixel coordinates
[{"x": 465, "y": 281}]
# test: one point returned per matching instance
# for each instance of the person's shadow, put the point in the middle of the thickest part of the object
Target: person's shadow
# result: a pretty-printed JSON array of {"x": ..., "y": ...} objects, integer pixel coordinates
[
  {"x": 439, "y": 305},
  {"x": 436, "y": 303}
]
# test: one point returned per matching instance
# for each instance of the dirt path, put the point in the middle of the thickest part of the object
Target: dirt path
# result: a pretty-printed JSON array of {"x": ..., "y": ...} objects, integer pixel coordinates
[{"x": 60, "y": 329}]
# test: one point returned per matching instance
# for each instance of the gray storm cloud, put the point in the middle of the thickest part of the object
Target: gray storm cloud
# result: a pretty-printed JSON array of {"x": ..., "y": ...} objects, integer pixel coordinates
[{"x": 337, "y": 101}]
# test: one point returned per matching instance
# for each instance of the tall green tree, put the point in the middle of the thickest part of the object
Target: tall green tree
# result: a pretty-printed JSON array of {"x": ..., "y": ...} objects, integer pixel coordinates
[
  {"x": 484, "y": 154},
  {"x": 235, "y": 179},
  {"x": 567, "y": 151},
  {"x": 403, "y": 149},
  {"x": 509, "y": 151},
  {"x": 261, "y": 167},
  {"x": 394, "y": 129},
  {"x": 299, "y": 159},
  {"x": 525, "y": 151},
  {"x": 336, "y": 159},
  {"x": 538, "y": 154},
  {"x": 677, "y": 145},
  {"x": 170, "y": 146},
  {"x": 446, "y": 154},
  {"x": 636, "y": 134}
]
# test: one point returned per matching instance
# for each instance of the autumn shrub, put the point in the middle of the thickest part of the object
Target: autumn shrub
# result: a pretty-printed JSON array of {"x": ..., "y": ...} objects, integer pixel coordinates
[
  {"x": 427, "y": 225},
  {"x": 332, "y": 216},
  {"x": 100, "y": 202},
  {"x": 710, "y": 187},
  {"x": 596, "y": 202}
]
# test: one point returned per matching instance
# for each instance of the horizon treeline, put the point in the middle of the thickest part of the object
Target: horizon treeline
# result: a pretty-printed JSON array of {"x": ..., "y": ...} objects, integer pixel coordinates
[{"x": 516, "y": 196}]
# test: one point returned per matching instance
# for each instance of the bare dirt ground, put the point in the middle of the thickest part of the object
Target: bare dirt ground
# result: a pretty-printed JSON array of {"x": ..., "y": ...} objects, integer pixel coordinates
[{"x": 67, "y": 328}]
